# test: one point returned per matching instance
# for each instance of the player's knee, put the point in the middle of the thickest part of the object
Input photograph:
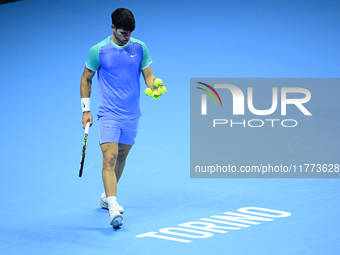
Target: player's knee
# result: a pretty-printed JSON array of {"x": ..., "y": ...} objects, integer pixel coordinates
[{"x": 110, "y": 158}]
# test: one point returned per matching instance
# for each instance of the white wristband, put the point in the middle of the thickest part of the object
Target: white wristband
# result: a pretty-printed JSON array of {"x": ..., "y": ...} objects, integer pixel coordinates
[{"x": 85, "y": 104}]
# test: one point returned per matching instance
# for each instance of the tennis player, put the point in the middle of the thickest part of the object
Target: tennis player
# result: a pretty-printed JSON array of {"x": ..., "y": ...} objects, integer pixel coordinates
[{"x": 118, "y": 60}]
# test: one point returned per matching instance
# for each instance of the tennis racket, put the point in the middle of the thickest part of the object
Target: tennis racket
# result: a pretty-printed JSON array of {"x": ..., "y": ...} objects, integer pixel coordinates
[{"x": 87, "y": 127}]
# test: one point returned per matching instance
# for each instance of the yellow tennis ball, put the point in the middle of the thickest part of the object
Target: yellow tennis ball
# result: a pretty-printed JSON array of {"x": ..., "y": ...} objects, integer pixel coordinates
[
  {"x": 156, "y": 94},
  {"x": 148, "y": 92},
  {"x": 157, "y": 81},
  {"x": 162, "y": 89}
]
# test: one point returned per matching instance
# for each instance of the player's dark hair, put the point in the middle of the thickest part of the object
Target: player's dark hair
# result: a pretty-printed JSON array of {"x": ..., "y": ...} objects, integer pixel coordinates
[{"x": 124, "y": 19}]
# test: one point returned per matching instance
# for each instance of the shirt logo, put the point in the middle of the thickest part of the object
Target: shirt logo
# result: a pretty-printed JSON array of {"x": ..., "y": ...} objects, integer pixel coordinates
[{"x": 133, "y": 55}]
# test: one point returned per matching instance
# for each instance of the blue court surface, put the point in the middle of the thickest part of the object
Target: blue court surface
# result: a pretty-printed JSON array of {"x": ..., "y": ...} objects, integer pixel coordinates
[{"x": 47, "y": 209}]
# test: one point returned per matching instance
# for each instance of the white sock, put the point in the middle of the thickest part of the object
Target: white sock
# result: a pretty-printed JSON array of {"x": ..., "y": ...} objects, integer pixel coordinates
[{"x": 112, "y": 201}]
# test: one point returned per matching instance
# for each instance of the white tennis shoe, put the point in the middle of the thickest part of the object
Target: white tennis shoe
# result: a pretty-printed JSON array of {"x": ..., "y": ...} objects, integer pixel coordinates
[
  {"x": 116, "y": 219},
  {"x": 105, "y": 205}
]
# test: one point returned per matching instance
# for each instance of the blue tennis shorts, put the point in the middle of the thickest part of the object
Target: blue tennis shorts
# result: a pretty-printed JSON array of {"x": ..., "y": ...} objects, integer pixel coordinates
[{"x": 117, "y": 131}]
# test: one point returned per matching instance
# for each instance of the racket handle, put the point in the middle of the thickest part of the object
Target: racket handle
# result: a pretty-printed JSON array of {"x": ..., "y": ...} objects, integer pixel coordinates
[{"x": 87, "y": 127}]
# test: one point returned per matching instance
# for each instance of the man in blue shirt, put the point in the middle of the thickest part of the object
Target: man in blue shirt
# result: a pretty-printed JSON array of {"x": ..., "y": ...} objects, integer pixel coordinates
[{"x": 118, "y": 60}]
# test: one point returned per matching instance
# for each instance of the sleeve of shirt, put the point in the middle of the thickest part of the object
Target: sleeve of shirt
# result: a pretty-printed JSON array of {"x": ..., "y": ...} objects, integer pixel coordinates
[
  {"x": 92, "y": 61},
  {"x": 146, "y": 56}
]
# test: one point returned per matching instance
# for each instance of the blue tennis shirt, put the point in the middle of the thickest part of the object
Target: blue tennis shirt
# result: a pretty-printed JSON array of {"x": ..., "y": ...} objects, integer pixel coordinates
[{"x": 118, "y": 70}]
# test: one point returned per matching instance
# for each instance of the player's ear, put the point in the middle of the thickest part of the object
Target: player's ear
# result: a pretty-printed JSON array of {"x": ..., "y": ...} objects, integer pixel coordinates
[{"x": 113, "y": 27}]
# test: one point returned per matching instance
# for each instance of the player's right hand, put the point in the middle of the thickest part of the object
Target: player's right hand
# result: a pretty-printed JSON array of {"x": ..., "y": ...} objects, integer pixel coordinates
[{"x": 87, "y": 117}]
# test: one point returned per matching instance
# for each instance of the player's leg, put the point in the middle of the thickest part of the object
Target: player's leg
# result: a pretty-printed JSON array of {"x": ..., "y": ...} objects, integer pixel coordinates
[
  {"x": 127, "y": 134},
  {"x": 123, "y": 151},
  {"x": 109, "y": 133},
  {"x": 110, "y": 153}
]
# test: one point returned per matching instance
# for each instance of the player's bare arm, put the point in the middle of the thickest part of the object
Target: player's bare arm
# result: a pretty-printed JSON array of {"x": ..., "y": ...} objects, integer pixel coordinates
[
  {"x": 149, "y": 77},
  {"x": 85, "y": 92}
]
